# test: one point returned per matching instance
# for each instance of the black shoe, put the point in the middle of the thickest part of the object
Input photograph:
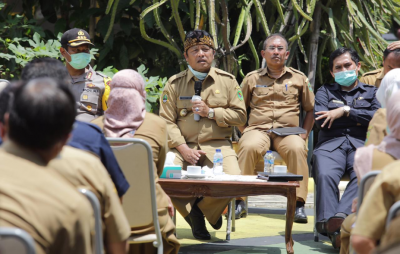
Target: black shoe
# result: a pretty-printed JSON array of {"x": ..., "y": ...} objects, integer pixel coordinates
[
  {"x": 300, "y": 215},
  {"x": 196, "y": 221},
  {"x": 240, "y": 211},
  {"x": 217, "y": 225},
  {"x": 321, "y": 228}
]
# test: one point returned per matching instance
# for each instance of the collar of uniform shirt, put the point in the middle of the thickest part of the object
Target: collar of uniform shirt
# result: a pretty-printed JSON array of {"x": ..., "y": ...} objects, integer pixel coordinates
[
  {"x": 265, "y": 71},
  {"x": 336, "y": 86},
  {"x": 190, "y": 75}
]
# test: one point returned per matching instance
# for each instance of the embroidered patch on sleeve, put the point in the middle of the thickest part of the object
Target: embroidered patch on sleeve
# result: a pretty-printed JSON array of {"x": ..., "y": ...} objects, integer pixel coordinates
[
  {"x": 165, "y": 97},
  {"x": 240, "y": 95},
  {"x": 309, "y": 86}
]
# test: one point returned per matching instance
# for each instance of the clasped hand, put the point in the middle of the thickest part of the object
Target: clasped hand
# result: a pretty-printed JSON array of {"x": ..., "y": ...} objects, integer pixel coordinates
[
  {"x": 330, "y": 116},
  {"x": 202, "y": 108}
]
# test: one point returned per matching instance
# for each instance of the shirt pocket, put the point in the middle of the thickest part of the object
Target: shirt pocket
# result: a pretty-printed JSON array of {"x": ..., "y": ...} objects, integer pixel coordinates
[
  {"x": 362, "y": 103},
  {"x": 90, "y": 99},
  {"x": 261, "y": 90},
  {"x": 181, "y": 104},
  {"x": 217, "y": 102},
  {"x": 291, "y": 93}
]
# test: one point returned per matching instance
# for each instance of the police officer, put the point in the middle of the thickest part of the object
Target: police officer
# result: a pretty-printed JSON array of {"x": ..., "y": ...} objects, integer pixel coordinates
[
  {"x": 194, "y": 142},
  {"x": 274, "y": 96},
  {"x": 343, "y": 111},
  {"x": 391, "y": 60},
  {"x": 90, "y": 88}
]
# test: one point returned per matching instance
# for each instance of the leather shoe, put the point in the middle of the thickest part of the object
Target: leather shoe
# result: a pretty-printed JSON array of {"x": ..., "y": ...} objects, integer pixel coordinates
[
  {"x": 300, "y": 215},
  {"x": 217, "y": 225},
  {"x": 198, "y": 226}
]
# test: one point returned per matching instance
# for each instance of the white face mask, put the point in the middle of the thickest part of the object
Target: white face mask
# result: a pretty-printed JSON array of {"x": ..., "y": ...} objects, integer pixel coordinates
[{"x": 199, "y": 75}]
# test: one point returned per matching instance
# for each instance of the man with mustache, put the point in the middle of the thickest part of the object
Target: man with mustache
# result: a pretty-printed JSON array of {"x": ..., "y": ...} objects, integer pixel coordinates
[
  {"x": 194, "y": 142},
  {"x": 273, "y": 95}
]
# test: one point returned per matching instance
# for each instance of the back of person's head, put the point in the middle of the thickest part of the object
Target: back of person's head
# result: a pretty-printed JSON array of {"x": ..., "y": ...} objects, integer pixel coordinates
[
  {"x": 393, "y": 114},
  {"x": 41, "y": 114},
  {"x": 46, "y": 67},
  {"x": 389, "y": 85},
  {"x": 340, "y": 51}
]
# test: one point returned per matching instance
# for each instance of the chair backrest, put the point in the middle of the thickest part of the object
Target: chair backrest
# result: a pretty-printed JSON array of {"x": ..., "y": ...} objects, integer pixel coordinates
[
  {"x": 135, "y": 158},
  {"x": 16, "y": 241},
  {"x": 393, "y": 213},
  {"x": 98, "y": 243},
  {"x": 365, "y": 184}
]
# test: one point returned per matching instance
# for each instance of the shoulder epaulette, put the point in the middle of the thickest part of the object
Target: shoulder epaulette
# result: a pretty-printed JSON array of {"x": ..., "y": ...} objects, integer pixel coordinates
[
  {"x": 224, "y": 73},
  {"x": 297, "y": 71},
  {"x": 256, "y": 71},
  {"x": 371, "y": 72},
  {"x": 176, "y": 76}
]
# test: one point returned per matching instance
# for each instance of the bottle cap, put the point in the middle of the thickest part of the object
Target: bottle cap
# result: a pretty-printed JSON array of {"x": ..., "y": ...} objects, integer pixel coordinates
[
  {"x": 218, "y": 150},
  {"x": 269, "y": 151}
]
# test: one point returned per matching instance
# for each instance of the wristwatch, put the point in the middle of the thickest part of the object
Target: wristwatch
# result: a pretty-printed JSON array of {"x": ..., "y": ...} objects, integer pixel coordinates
[
  {"x": 346, "y": 110},
  {"x": 210, "y": 113}
]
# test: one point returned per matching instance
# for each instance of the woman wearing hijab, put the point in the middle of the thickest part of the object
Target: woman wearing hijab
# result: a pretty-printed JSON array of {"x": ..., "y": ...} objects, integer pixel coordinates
[
  {"x": 376, "y": 157},
  {"x": 126, "y": 117},
  {"x": 377, "y": 128}
]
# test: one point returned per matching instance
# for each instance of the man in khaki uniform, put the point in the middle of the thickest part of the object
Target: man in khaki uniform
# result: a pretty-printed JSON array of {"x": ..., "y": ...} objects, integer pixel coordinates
[
  {"x": 274, "y": 96},
  {"x": 32, "y": 197},
  {"x": 391, "y": 60},
  {"x": 371, "y": 219},
  {"x": 194, "y": 142},
  {"x": 90, "y": 88}
]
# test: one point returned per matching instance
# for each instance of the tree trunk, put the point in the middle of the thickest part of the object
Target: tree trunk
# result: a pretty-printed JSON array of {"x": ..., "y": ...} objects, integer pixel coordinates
[{"x": 313, "y": 49}]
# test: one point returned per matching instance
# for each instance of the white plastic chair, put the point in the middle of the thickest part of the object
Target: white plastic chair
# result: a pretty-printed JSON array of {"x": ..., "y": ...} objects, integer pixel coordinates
[
  {"x": 98, "y": 243},
  {"x": 16, "y": 241},
  {"x": 135, "y": 159}
]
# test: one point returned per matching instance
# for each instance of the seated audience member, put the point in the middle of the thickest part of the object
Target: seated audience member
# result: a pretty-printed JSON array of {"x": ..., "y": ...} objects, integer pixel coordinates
[
  {"x": 377, "y": 128},
  {"x": 85, "y": 136},
  {"x": 32, "y": 197},
  {"x": 194, "y": 142},
  {"x": 126, "y": 117},
  {"x": 342, "y": 112},
  {"x": 375, "y": 157},
  {"x": 274, "y": 96},
  {"x": 371, "y": 218},
  {"x": 391, "y": 60},
  {"x": 82, "y": 169}
]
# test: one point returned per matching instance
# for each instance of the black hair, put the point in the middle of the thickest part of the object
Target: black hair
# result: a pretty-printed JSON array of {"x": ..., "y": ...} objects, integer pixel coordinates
[
  {"x": 46, "y": 67},
  {"x": 42, "y": 113},
  {"x": 273, "y": 36},
  {"x": 5, "y": 97},
  {"x": 388, "y": 51},
  {"x": 340, "y": 51}
]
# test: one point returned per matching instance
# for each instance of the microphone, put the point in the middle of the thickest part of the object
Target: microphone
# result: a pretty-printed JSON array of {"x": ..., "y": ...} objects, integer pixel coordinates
[{"x": 196, "y": 97}]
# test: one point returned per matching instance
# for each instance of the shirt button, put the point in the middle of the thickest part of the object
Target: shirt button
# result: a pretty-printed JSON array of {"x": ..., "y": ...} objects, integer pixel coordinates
[{"x": 274, "y": 121}]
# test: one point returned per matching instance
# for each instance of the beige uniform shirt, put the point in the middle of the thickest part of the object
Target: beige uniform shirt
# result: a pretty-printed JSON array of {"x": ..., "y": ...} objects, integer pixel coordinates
[
  {"x": 275, "y": 103},
  {"x": 384, "y": 192},
  {"x": 377, "y": 128},
  {"x": 373, "y": 78},
  {"x": 88, "y": 90},
  {"x": 221, "y": 92},
  {"x": 83, "y": 169},
  {"x": 51, "y": 210}
]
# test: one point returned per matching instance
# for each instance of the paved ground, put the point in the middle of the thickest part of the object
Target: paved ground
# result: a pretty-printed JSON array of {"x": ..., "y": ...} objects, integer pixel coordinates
[{"x": 261, "y": 232}]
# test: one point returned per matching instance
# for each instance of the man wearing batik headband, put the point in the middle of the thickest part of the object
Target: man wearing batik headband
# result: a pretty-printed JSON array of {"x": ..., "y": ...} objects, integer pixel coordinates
[
  {"x": 90, "y": 88},
  {"x": 194, "y": 142}
]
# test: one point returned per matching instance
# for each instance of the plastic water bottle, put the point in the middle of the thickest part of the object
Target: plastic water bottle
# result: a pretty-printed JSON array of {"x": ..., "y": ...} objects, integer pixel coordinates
[
  {"x": 269, "y": 162},
  {"x": 218, "y": 161}
]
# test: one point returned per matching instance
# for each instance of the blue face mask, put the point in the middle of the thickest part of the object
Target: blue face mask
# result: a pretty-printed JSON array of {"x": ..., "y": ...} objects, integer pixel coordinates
[
  {"x": 346, "y": 78},
  {"x": 79, "y": 61},
  {"x": 199, "y": 75}
]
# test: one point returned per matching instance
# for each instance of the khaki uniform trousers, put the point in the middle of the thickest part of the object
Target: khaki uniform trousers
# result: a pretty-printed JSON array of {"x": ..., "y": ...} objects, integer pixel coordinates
[
  {"x": 345, "y": 232},
  {"x": 212, "y": 208},
  {"x": 254, "y": 144},
  {"x": 170, "y": 242}
]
